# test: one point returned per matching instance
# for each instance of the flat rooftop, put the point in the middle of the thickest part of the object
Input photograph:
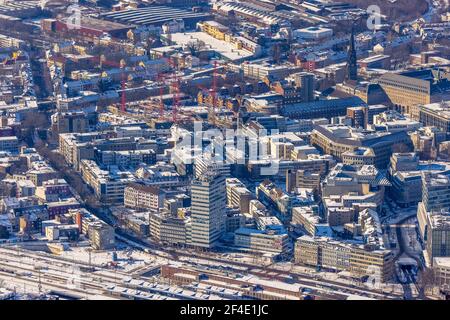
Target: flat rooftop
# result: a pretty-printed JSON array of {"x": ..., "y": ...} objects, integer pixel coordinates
[
  {"x": 374, "y": 58},
  {"x": 315, "y": 29},
  {"x": 154, "y": 15},
  {"x": 442, "y": 109},
  {"x": 12, "y": 6},
  {"x": 442, "y": 262},
  {"x": 101, "y": 25},
  {"x": 223, "y": 48}
]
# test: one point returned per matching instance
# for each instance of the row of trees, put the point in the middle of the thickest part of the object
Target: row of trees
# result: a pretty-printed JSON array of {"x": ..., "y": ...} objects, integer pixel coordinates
[
  {"x": 34, "y": 121},
  {"x": 400, "y": 10},
  {"x": 71, "y": 176}
]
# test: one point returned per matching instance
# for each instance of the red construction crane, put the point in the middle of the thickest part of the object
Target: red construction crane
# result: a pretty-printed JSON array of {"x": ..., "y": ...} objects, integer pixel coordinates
[
  {"x": 212, "y": 110},
  {"x": 176, "y": 98},
  {"x": 214, "y": 84},
  {"x": 124, "y": 78},
  {"x": 175, "y": 90},
  {"x": 161, "y": 83}
]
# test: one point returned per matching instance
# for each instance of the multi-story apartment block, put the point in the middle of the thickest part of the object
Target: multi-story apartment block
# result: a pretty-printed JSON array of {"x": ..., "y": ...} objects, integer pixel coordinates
[
  {"x": 405, "y": 174},
  {"x": 100, "y": 234},
  {"x": 170, "y": 229},
  {"x": 215, "y": 29},
  {"x": 441, "y": 267},
  {"x": 355, "y": 181},
  {"x": 265, "y": 71},
  {"x": 40, "y": 172},
  {"x": 54, "y": 189},
  {"x": 302, "y": 179},
  {"x": 139, "y": 196},
  {"x": 125, "y": 158},
  {"x": 434, "y": 228},
  {"x": 238, "y": 196},
  {"x": 433, "y": 215},
  {"x": 339, "y": 139},
  {"x": 435, "y": 191},
  {"x": 308, "y": 219},
  {"x": 269, "y": 240},
  {"x": 436, "y": 115},
  {"x": 76, "y": 147},
  {"x": 271, "y": 195},
  {"x": 427, "y": 140},
  {"x": 108, "y": 185},
  {"x": 361, "y": 156},
  {"x": 9, "y": 144},
  {"x": 65, "y": 122},
  {"x": 314, "y": 163},
  {"x": 336, "y": 255},
  {"x": 208, "y": 162}
]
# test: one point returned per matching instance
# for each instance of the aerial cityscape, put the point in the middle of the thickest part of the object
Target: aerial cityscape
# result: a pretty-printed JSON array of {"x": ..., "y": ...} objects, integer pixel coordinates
[{"x": 225, "y": 150}]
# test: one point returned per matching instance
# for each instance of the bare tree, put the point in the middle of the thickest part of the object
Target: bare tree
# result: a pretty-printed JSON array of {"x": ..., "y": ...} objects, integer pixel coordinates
[
  {"x": 195, "y": 47},
  {"x": 400, "y": 10},
  {"x": 400, "y": 148},
  {"x": 276, "y": 53},
  {"x": 4, "y": 233},
  {"x": 426, "y": 280},
  {"x": 7, "y": 190}
]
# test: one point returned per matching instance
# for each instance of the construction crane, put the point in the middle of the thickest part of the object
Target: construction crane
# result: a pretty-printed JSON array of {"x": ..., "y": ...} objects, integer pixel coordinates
[
  {"x": 123, "y": 86},
  {"x": 175, "y": 86},
  {"x": 212, "y": 93},
  {"x": 161, "y": 93},
  {"x": 214, "y": 84},
  {"x": 212, "y": 112},
  {"x": 173, "y": 82}
]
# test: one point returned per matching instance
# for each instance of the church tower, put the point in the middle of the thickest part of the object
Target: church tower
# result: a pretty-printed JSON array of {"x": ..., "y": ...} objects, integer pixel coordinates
[{"x": 352, "y": 67}]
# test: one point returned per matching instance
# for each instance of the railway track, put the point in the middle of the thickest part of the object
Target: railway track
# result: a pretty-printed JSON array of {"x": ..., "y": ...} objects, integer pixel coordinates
[
  {"x": 88, "y": 284},
  {"x": 274, "y": 273}
]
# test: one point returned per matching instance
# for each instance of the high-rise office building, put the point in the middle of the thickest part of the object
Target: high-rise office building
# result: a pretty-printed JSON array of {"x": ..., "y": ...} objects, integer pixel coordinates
[
  {"x": 305, "y": 82},
  {"x": 208, "y": 209},
  {"x": 436, "y": 191},
  {"x": 433, "y": 215},
  {"x": 357, "y": 116}
]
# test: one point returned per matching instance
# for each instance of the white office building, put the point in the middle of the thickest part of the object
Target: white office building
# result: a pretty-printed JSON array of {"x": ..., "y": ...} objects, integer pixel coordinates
[{"x": 208, "y": 209}]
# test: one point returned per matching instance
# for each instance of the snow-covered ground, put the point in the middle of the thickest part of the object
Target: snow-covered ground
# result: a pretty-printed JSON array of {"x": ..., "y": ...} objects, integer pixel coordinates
[
  {"x": 409, "y": 233},
  {"x": 127, "y": 260},
  {"x": 399, "y": 215}
]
